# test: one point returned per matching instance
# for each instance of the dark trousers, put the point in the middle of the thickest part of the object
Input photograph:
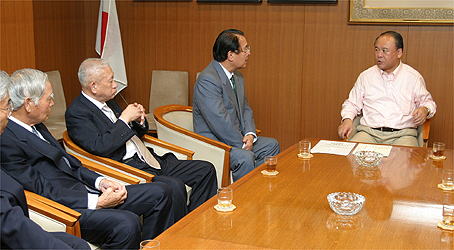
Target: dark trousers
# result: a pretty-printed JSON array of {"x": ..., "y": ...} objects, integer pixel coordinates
[
  {"x": 120, "y": 227},
  {"x": 199, "y": 175}
]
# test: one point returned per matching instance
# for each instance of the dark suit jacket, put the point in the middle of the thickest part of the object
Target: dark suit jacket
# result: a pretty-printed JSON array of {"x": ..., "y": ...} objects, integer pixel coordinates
[
  {"x": 216, "y": 113},
  {"x": 17, "y": 230},
  {"x": 92, "y": 130},
  {"x": 40, "y": 167}
]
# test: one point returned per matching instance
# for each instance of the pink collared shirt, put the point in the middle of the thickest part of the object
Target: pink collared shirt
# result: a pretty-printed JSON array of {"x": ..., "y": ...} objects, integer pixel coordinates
[{"x": 388, "y": 100}]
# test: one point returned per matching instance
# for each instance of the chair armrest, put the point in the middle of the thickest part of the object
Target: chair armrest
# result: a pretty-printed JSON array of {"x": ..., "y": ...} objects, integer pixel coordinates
[
  {"x": 426, "y": 130},
  {"x": 169, "y": 146},
  {"x": 78, "y": 152},
  {"x": 105, "y": 170},
  {"x": 55, "y": 211},
  {"x": 32, "y": 196}
]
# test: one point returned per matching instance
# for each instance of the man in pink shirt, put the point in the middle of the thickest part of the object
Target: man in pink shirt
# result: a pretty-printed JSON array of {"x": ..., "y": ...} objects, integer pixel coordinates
[{"x": 391, "y": 96}]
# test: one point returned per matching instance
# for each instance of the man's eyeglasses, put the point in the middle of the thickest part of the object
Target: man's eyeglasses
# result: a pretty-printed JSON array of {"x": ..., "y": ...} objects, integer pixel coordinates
[
  {"x": 8, "y": 109},
  {"x": 246, "y": 49}
]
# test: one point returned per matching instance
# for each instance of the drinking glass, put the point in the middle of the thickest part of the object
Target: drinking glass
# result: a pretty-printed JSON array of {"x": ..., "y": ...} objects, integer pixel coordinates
[
  {"x": 225, "y": 197},
  {"x": 448, "y": 210},
  {"x": 271, "y": 163},
  {"x": 448, "y": 178},
  {"x": 438, "y": 150},
  {"x": 304, "y": 147},
  {"x": 150, "y": 244}
]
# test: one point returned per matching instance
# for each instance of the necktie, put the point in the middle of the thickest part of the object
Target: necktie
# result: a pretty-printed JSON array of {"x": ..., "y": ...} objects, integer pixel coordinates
[
  {"x": 234, "y": 87},
  {"x": 142, "y": 150}
]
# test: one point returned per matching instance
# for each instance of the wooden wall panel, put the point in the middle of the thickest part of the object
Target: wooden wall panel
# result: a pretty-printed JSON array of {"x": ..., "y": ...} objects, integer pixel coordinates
[
  {"x": 17, "y": 47},
  {"x": 305, "y": 58},
  {"x": 431, "y": 52},
  {"x": 61, "y": 39}
]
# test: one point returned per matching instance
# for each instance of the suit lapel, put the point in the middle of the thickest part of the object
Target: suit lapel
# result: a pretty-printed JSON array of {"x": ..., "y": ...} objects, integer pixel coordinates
[
  {"x": 48, "y": 150},
  {"x": 96, "y": 110},
  {"x": 227, "y": 87}
]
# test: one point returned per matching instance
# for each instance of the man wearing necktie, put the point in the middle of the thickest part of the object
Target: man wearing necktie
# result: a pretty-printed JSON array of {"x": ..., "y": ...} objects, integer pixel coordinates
[
  {"x": 220, "y": 108},
  {"x": 97, "y": 124},
  {"x": 110, "y": 211}
]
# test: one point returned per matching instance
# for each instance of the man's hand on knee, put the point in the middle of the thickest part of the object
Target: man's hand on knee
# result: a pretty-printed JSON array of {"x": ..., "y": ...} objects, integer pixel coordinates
[{"x": 345, "y": 128}]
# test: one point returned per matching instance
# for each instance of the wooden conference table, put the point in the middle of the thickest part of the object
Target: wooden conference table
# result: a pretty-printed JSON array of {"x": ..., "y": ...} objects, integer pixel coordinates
[{"x": 290, "y": 210}]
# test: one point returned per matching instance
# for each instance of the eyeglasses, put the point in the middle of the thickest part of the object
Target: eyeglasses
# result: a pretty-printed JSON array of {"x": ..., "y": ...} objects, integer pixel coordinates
[
  {"x": 384, "y": 50},
  {"x": 246, "y": 49},
  {"x": 8, "y": 109}
]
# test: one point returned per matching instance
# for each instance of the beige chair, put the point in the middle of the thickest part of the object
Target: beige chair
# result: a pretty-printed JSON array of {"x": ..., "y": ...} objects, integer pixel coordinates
[
  {"x": 56, "y": 122},
  {"x": 55, "y": 217},
  {"x": 174, "y": 125},
  {"x": 167, "y": 87},
  {"x": 423, "y": 131}
]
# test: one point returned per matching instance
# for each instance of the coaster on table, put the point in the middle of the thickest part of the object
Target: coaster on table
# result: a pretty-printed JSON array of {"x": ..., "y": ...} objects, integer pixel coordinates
[
  {"x": 265, "y": 172},
  {"x": 443, "y": 187},
  {"x": 445, "y": 227},
  {"x": 437, "y": 158},
  {"x": 224, "y": 209},
  {"x": 305, "y": 157}
]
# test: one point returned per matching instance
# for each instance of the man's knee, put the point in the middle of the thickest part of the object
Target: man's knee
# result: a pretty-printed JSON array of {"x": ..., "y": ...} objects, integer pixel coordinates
[
  {"x": 406, "y": 141},
  {"x": 127, "y": 229},
  {"x": 362, "y": 136}
]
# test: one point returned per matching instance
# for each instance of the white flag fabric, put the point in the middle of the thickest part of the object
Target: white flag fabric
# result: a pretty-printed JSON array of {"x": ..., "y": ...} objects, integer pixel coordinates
[{"x": 108, "y": 41}]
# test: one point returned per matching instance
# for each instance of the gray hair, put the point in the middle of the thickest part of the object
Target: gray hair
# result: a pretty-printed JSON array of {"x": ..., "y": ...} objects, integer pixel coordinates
[
  {"x": 26, "y": 83},
  {"x": 5, "y": 82},
  {"x": 89, "y": 70}
]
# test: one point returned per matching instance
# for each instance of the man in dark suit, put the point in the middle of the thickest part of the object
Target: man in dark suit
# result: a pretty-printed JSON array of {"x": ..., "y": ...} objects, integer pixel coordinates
[
  {"x": 17, "y": 230},
  {"x": 97, "y": 124},
  {"x": 110, "y": 211},
  {"x": 220, "y": 108}
]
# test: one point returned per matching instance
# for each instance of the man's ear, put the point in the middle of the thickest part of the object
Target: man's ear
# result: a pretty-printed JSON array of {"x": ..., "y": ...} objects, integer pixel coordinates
[
  {"x": 27, "y": 104},
  {"x": 230, "y": 56},
  {"x": 399, "y": 53},
  {"x": 92, "y": 87}
]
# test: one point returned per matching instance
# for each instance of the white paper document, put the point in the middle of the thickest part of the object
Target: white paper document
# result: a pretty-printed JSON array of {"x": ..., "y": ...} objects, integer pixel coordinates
[
  {"x": 382, "y": 149},
  {"x": 333, "y": 147}
]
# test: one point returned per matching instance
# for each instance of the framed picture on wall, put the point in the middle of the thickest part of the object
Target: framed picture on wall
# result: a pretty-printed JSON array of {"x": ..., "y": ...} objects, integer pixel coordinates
[
  {"x": 303, "y": 1},
  {"x": 402, "y": 11},
  {"x": 229, "y": 1}
]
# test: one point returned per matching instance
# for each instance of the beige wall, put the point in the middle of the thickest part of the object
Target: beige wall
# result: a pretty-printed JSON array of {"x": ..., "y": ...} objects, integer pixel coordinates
[{"x": 305, "y": 58}]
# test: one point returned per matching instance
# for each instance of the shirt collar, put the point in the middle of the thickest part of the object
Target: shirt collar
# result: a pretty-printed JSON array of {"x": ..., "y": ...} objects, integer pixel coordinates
[
  {"x": 227, "y": 73},
  {"x": 97, "y": 103},
  {"x": 391, "y": 76},
  {"x": 22, "y": 124}
]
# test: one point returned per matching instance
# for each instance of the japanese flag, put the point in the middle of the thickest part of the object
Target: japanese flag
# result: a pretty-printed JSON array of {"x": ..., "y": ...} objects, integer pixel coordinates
[{"x": 108, "y": 41}]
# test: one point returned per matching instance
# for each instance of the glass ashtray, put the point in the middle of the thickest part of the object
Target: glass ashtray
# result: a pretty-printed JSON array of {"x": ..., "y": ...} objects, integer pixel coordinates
[
  {"x": 346, "y": 203},
  {"x": 368, "y": 158}
]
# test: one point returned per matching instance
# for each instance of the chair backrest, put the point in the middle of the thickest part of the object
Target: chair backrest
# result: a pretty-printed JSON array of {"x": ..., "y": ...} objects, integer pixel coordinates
[
  {"x": 174, "y": 125},
  {"x": 59, "y": 95},
  {"x": 56, "y": 121},
  {"x": 167, "y": 87}
]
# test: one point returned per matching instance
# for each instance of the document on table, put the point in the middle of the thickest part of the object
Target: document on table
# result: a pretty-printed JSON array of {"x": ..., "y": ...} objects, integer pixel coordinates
[
  {"x": 382, "y": 149},
  {"x": 333, "y": 147}
]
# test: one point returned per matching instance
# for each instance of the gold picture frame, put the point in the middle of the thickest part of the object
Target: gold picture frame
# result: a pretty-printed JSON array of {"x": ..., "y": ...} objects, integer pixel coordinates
[{"x": 402, "y": 11}]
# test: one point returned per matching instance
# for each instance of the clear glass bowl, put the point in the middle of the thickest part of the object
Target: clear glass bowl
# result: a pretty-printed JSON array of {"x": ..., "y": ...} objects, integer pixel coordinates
[
  {"x": 368, "y": 158},
  {"x": 345, "y": 203}
]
